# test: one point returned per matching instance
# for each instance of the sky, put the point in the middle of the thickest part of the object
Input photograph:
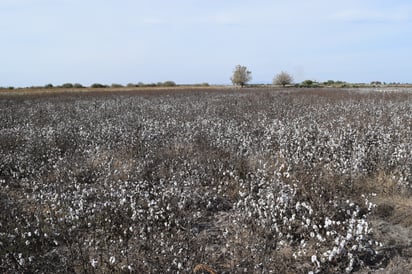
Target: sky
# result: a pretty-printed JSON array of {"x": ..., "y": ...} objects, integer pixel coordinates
[{"x": 199, "y": 41}]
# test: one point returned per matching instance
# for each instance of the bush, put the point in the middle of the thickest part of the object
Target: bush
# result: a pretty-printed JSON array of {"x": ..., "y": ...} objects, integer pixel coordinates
[
  {"x": 77, "y": 85},
  {"x": 309, "y": 84},
  {"x": 67, "y": 85},
  {"x": 168, "y": 84},
  {"x": 116, "y": 86},
  {"x": 97, "y": 85}
]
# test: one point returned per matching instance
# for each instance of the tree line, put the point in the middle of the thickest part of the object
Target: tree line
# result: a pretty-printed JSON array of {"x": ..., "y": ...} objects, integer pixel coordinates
[{"x": 241, "y": 76}]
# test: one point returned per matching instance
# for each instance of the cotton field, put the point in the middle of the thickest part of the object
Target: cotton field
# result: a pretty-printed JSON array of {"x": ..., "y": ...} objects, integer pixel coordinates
[{"x": 240, "y": 180}]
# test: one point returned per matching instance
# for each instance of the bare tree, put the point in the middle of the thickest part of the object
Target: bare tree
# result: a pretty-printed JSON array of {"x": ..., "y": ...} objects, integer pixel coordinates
[
  {"x": 241, "y": 76},
  {"x": 283, "y": 78}
]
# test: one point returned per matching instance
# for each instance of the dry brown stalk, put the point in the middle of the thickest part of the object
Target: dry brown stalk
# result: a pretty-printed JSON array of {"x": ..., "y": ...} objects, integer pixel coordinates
[{"x": 203, "y": 267}]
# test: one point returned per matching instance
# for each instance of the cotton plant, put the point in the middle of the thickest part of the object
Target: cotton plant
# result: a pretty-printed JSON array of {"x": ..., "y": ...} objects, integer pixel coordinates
[{"x": 110, "y": 183}]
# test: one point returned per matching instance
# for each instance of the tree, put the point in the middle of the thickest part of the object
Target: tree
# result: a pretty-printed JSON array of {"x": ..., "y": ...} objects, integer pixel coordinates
[
  {"x": 97, "y": 85},
  {"x": 115, "y": 85},
  {"x": 67, "y": 85},
  {"x": 168, "y": 84},
  {"x": 77, "y": 85},
  {"x": 241, "y": 76},
  {"x": 283, "y": 78}
]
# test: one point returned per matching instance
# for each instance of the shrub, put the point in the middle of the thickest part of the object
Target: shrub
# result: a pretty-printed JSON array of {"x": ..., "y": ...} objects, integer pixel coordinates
[
  {"x": 116, "y": 86},
  {"x": 168, "y": 84},
  {"x": 67, "y": 85},
  {"x": 97, "y": 85},
  {"x": 309, "y": 84},
  {"x": 77, "y": 85}
]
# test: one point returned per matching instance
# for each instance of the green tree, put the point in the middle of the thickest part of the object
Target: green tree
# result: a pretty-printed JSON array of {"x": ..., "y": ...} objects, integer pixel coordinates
[
  {"x": 97, "y": 85},
  {"x": 115, "y": 85},
  {"x": 77, "y": 85},
  {"x": 67, "y": 85},
  {"x": 168, "y": 84},
  {"x": 241, "y": 76}
]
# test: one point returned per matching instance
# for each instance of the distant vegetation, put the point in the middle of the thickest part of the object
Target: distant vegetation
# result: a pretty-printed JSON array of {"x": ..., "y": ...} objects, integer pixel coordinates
[
  {"x": 283, "y": 79},
  {"x": 241, "y": 76},
  {"x": 97, "y": 85}
]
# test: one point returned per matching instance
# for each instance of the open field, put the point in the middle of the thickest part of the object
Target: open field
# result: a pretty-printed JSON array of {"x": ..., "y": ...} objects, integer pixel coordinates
[{"x": 241, "y": 180}]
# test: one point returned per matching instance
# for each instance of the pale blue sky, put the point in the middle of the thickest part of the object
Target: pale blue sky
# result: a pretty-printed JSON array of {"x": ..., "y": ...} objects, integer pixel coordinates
[{"x": 195, "y": 41}]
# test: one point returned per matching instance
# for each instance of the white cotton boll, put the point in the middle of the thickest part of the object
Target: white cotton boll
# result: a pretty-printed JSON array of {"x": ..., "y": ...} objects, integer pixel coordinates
[
  {"x": 328, "y": 222},
  {"x": 320, "y": 238},
  {"x": 331, "y": 256},
  {"x": 360, "y": 228},
  {"x": 315, "y": 260},
  {"x": 21, "y": 259},
  {"x": 112, "y": 260},
  {"x": 350, "y": 266}
]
